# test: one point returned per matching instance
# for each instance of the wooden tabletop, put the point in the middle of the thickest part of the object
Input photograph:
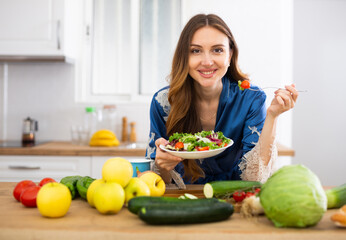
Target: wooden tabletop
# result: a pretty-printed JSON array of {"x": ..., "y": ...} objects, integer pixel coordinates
[
  {"x": 69, "y": 149},
  {"x": 84, "y": 222}
]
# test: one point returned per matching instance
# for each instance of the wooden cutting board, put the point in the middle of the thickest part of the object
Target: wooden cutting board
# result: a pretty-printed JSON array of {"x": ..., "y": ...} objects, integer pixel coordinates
[{"x": 84, "y": 222}]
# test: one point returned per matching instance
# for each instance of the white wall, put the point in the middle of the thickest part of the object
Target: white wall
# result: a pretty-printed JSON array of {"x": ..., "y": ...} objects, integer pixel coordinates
[
  {"x": 45, "y": 92},
  {"x": 319, "y": 66}
]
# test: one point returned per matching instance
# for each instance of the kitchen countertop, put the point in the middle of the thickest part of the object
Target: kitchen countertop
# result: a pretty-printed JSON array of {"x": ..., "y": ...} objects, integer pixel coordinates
[
  {"x": 69, "y": 149},
  {"x": 84, "y": 222}
]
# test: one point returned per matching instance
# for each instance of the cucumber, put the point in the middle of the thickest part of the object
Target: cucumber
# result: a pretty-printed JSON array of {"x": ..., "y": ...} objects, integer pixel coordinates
[
  {"x": 336, "y": 196},
  {"x": 223, "y": 189},
  {"x": 135, "y": 204},
  {"x": 184, "y": 214}
]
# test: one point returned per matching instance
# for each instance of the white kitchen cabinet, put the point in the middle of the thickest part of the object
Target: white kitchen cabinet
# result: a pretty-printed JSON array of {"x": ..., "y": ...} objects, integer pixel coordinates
[
  {"x": 38, "y": 27},
  {"x": 98, "y": 161},
  {"x": 17, "y": 168}
]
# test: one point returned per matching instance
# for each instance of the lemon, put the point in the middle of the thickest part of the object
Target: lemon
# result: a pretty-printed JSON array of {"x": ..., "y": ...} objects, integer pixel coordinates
[
  {"x": 109, "y": 198},
  {"x": 53, "y": 200},
  {"x": 117, "y": 170}
]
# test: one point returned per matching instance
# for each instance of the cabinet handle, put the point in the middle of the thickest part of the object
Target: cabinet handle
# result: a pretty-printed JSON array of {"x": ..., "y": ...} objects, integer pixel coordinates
[
  {"x": 23, "y": 168},
  {"x": 58, "y": 34}
]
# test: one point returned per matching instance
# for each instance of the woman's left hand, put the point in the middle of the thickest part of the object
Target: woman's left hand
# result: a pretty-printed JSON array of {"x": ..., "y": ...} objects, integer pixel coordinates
[{"x": 283, "y": 101}]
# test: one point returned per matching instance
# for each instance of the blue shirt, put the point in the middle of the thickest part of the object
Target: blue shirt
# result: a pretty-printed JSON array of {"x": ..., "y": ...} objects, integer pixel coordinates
[{"x": 240, "y": 116}]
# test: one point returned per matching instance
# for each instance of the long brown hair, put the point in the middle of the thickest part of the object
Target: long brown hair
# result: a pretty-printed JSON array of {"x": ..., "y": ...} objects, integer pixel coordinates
[{"x": 183, "y": 116}]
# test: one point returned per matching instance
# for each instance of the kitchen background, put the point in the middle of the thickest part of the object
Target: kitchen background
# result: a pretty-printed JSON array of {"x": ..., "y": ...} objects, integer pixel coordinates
[{"x": 300, "y": 41}]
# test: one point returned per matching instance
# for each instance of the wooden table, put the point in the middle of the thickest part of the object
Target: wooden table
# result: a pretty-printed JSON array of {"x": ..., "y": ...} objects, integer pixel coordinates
[{"x": 84, "y": 222}]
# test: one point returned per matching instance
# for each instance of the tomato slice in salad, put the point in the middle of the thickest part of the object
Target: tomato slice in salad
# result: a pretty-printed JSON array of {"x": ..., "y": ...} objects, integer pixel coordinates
[
  {"x": 202, "y": 148},
  {"x": 179, "y": 145}
]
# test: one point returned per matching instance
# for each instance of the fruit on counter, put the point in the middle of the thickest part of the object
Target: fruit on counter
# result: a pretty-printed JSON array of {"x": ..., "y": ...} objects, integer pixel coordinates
[
  {"x": 135, "y": 188},
  {"x": 293, "y": 197},
  {"x": 91, "y": 190},
  {"x": 109, "y": 197},
  {"x": 17, "y": 191},
  {"x": 28, "y": 196},
  {"x": 135, "y": 204},
  {"x": 336, "y": 196},
  {"x": 104, "y": 138},
  {"x": 239, "y": 196},
  {"x": 71, "y": 183},
  {"x": 83, "y": 185},
  {"x": 117, "y": 170},
  {"x": 155, "y": 183},
  {"x": 195, "y": 212},
  {"x": 225, "y": 189},
  {"x": 339, "y": 218},
  {"x": 46, "y": 180},
  {"x": 54, "y": 200}
]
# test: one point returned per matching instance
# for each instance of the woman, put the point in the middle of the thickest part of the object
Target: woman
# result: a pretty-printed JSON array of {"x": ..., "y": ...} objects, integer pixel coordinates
[{"x": 203, "y": 94}]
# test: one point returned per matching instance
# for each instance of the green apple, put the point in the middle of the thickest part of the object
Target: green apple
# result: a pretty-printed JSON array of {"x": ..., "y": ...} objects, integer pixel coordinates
[
  {"x": 117, "y": 170},
  {"x": 53, "y": 200},
  {"x": 109, "y": 197},
  {"x": 136, "y": 187},
  {"x": 155, "y": 183}
]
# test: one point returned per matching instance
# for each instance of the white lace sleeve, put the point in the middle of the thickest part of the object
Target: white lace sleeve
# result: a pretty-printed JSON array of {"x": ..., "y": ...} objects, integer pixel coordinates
[{"x": 252, "y": 166}]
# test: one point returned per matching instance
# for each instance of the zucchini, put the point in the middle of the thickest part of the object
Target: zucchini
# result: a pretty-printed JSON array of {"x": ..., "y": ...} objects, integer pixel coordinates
[
  {"x": 135, "y": 204},
  {"x": 184, "y": 214},
  {"x": 336, "y": 196},
  {"x": 224, "y": 189}
]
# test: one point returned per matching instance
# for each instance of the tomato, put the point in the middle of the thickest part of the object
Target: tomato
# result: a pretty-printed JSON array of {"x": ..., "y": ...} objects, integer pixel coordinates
[
  {"x": 28, "y": 196},
  {"x": 179, "y": 145},
  {"x": 257, "y": 190},
  {"x": 249, "y": 194},
  {"x": 239, "y": 196},
  {"x": 46, "y": 180},
  {"x": 245, "y": 84},
  {"x": 20, "y": 187},
  {"x": 203, "y": 148}
]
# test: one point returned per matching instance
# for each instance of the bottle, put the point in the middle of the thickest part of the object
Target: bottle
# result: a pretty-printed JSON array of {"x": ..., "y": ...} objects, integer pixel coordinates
[
  {"x": 108, "y": 119},
  {"x": 89, "y": 127},
  {"x": 133, "y": 135},
  {"x": 124, "y": 135}
]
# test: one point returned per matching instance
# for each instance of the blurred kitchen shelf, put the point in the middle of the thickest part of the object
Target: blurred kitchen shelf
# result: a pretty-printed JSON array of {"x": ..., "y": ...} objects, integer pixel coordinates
[{"x": 17, "y": 58}]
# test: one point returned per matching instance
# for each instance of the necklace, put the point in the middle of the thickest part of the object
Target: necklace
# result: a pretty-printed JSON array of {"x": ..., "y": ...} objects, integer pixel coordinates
[{"x": 212, "y": 117}]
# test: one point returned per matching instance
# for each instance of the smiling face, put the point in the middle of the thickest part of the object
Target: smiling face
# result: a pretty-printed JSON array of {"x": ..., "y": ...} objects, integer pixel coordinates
[{"x": 209, "y": 56}]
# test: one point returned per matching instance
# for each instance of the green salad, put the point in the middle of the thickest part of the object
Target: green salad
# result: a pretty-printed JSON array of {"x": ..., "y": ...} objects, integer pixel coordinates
[{"x": 201, "y": 141}]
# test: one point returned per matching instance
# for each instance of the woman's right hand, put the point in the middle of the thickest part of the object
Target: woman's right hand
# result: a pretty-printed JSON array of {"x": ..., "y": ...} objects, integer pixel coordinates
[{"x": 165, "y": 161}]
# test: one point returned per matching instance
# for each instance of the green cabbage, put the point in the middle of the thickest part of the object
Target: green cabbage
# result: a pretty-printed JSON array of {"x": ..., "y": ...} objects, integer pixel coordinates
[{"x": 293, "y": 197}]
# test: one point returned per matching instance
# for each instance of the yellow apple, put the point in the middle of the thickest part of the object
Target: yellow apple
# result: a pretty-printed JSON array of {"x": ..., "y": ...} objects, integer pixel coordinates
[
  {"x": 91, "y": 190},
  {"x": 136, "y": 187},
  {"x": 109, "y": 197},
  {"x": 155, "y": 183},
  {"x": 117, "y": 170},
  {"x": 53, "y": 200}
]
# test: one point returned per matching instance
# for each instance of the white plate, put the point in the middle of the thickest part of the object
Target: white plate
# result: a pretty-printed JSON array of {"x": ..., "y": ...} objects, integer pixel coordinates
[{"x": 197, "y": 154}]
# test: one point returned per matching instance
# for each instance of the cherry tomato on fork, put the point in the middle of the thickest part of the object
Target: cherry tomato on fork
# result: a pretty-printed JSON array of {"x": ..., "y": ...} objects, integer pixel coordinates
[{"x": 245, "y": 84}]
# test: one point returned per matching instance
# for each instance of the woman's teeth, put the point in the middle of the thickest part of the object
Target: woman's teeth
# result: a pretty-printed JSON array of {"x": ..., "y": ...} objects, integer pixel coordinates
[{"x": 206, "y": 73}]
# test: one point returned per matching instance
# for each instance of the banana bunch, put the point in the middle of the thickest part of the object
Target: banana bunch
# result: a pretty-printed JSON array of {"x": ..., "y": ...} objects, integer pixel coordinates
[{"x": 104, "y": 138}]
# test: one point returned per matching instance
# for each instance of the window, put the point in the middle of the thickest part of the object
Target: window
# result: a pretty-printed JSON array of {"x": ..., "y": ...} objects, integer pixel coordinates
[{"x": 128, "y": 48}]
